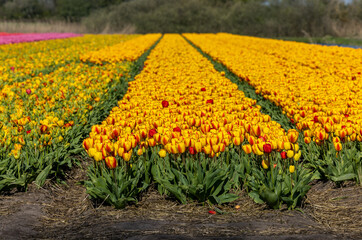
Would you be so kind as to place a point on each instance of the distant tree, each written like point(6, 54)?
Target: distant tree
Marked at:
point(24, 9)
point(74, 10)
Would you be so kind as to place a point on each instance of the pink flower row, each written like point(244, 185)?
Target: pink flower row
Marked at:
point(8, 34)
point(31, 37)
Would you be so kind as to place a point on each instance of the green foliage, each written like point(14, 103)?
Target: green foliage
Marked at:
point(277, 185)
point(117, 187)
point(200, 179)
point(337, 167)
point(248, 17)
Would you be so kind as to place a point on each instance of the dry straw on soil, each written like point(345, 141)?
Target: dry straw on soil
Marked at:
point(340, 209)
point(66, 210)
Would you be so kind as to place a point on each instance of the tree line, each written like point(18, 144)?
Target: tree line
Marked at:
point(268, 18)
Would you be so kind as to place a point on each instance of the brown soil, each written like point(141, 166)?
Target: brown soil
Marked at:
point(64, 211)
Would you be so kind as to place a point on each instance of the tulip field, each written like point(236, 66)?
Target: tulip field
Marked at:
point(153, 111)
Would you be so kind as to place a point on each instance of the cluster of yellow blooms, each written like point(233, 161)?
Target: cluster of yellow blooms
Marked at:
point(23, 61)
point(180, 102)
point(127, 51)
point(318, 87)
point(40, 110)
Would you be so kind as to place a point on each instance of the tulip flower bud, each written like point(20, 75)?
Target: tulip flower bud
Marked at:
point(181, 147)
point(88, 143)
point(297, 156)
point(139, 152)
point(203, 141)
point(108, 147)
point(174, 148)
point(127, 156)
point(267, 148)
point(207, 149)
point(157, 137)
point(353, 137)
point(307, 133)
point(290, 153)
point(111, 162)
point(127, 145)
point(192, 151)
point(222, 147)
point(321, 135)
point(256, 130)
point(162, 153)
point(296, 147)
point(236, 141)
point(187, 142)
point(152, 132)
point(164, 140)
point(152, 142)
point(256, 149)
point(293, 136)
point(283, 155)
point(247, 148)
point(120, 151)
point(338, 146)
point(165, 104)
point(349, 131)
point(98, 156)
point(307, 140)
point(198, 146)
point(143, 134)
point(287, 146)
point(216, 148)
point(291, 168)
point(92, 152)
point(265, 164)
point(251, 140)
point(168, 147)
point(343, 133)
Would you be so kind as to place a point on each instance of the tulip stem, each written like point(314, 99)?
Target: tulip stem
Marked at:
point(114, 176)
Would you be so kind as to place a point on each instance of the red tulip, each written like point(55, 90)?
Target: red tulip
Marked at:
point(192, 150)
point(267, 148)
point(203, 89)
point(284, 155)
point(177, 129)
point(165, 103)
point(28, 91)
point(210, 101)
point(152, 132)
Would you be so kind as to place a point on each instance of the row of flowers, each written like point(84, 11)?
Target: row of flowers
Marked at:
point(30, 59)
point(31, 37)
point(321, 95)
point(43, 118)
point(125, 51)
point(41, 109)
point(181, 112)
point(184, 118)
point(9, 34)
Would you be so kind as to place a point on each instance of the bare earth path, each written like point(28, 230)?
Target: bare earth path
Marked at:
point(65, 212)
